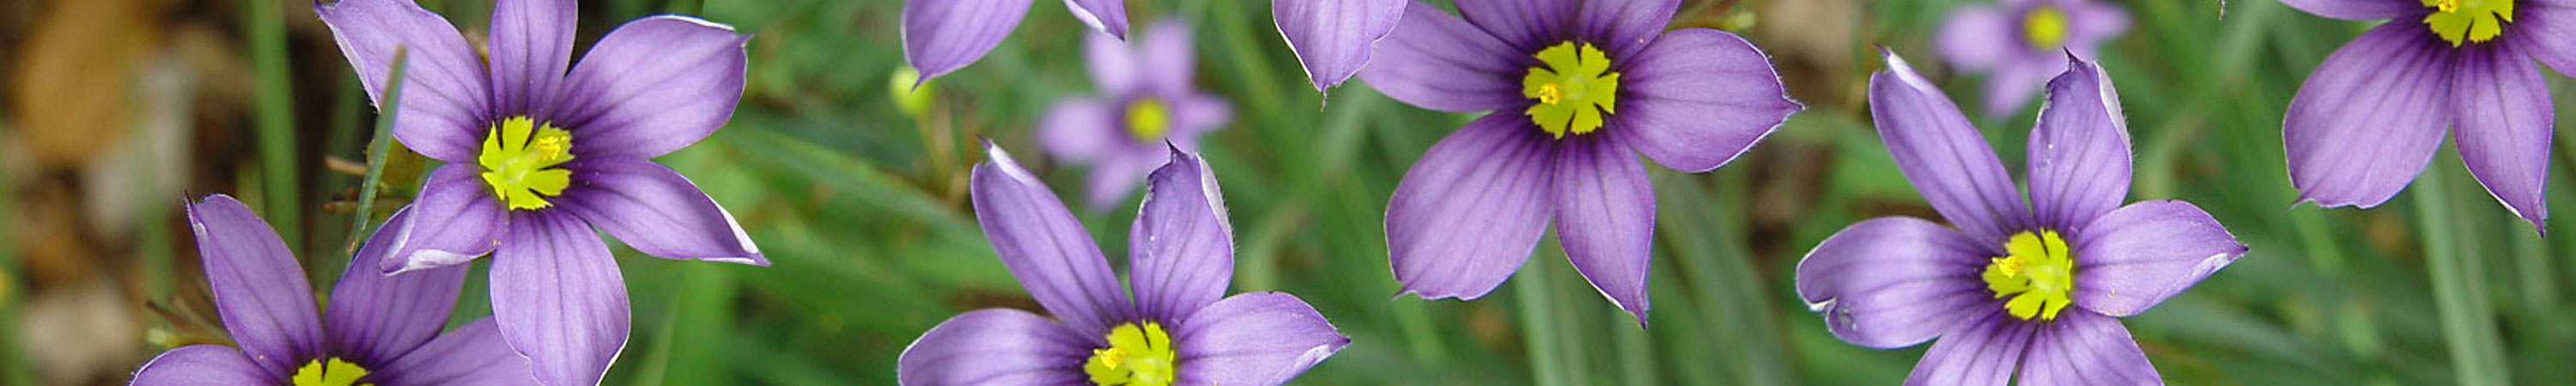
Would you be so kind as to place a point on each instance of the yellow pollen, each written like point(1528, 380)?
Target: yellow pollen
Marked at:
point(1551, 93)
point(2468, 21)
point(336, 372)
point(1138, 355)
point(1148, 119)
point(520, 159)
point(2045, 27)
point(2038, 273)
point(1579, 74)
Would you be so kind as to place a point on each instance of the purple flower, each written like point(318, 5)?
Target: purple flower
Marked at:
point(379, 329)
point(1145, 100)
point(2034, 287)
point(2369, 118)
point(1174, 329)
point(1580, 87)
point(2019, 44)
point(1331, 37)
point(537, 157)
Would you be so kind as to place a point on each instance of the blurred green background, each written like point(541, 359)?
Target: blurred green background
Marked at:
point(120, 109)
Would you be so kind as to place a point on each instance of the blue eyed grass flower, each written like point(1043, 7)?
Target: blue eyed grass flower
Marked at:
point(2020, 44)
point(1146, 101)
point(1332, 38)
point(542, 154)
point(1578, 89)
point(2012, 288)
point(1176, 327)
point(380, 330)
point(2368, 119)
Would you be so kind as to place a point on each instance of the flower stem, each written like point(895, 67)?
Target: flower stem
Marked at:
point(2459, 282)
point(275, 119)
point(1538, 319)
point(377, 148)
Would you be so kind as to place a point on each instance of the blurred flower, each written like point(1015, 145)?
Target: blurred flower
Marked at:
point(2034, 287)
point(536, 158)
point(379, 329)
point(2369, 118)
point(2019, 44)
point(1332, 38)
point(1145, 100)
point(1581, 92)
point(1173, 330)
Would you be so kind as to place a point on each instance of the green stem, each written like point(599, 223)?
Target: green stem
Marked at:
point(1538, 317)
point(276, 120)
point(377, 149)
point(2459, 283)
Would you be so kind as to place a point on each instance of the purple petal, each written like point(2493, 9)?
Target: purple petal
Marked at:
point(944, 35)
point(1182, 245)
point(2092, 23)
point(2360, 9)
point(1332, 38)
point(1698, 98)
point(1978, 38)
point(1526, 24)
point(258, 288)
point(2084, 348)
point(1113, 177)
point(2021, 78)
point(373, 317)
point(1169, 58)
point(2137, 256)
point(531, 45)
point(1469, 212)
point(1196, 115)
point(1436, 61)
point(2547, 32)
point(1082, 130)
point(2079, 154)
point(559, 299)
point(1981, 352)
point(1895, 281)
point(1255, 339)
point(1943, 155)
point(445, 106)
point(1044, 247)
point(203, 364)
point(2505, 122)
point(1115, 67)
point(473, 354)
point(656, 210)
point(652, 86)
point(1106, 16)
point(2369, 118)
point(995, 347)
point(1605, 219)
point(465, 222)
point(1623, 27)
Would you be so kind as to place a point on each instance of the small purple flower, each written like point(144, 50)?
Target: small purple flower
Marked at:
point(1579, 89)
point(2369, 118)
point(2036, 288)
point(1174, 330)
point(537, 158)
point(379, 329)
point(2019, 44)
point(1331, 37)
point(1145, 100)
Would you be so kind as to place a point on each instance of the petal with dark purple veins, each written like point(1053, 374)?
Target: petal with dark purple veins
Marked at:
point(1943, 155)
point(656, 210)
point(2548, 33)
point(2084, 348)
point(464, 221)
point(473, 354)
point(1106, 16)
point(1082, 130)
point(1697, 98)
point(1045, 247)
point(1182, 243)
point(1605, 218)
point(258, 288)
point(2505, 125)
point(1470, 210)
point(1255, 339)
point(1333, 38)
point(445, 105)
point(559, 298)
point(203, 364)
point(1526, 24)
point(2139, 255)
point(531, 45)
point(2359, 9)
point(1623, 27)
point(374, 317)
point(2369, 118)
point(1978, 38)
point(2079, 154)
point(1895, 281)
point(995, 347)
point(1982, 352)
point(652, 86)
point(944, 35)
point(1435, 61)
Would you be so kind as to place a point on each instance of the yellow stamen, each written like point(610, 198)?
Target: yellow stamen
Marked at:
point(2038, 273)
point(1571, 73)
point(333, 373)
point(520, 159)
point(2468, 21)
point(1148, 119)
point(1137, 355)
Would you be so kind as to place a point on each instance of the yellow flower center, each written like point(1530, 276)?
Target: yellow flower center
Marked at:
point(1138, 356)
point(519, 160)
point(1575, 89)
point(1148, 119)
point(333, 373)
point(2038, 273)
point(2044, 26)
point(2462, 21)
